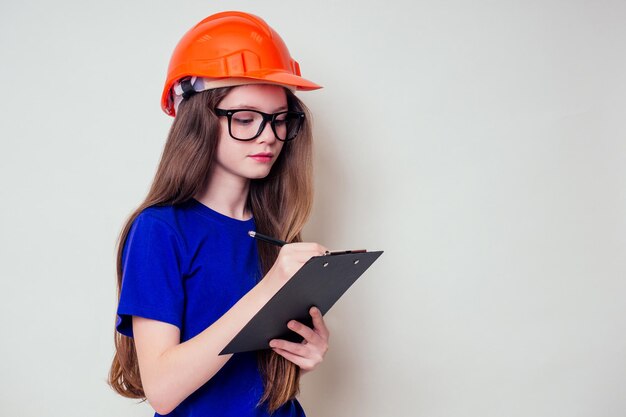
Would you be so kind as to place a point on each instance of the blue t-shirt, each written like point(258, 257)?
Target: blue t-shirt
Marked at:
point(187, 265)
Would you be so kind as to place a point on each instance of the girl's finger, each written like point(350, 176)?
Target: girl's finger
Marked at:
point(305, 331)
point(303, 363)
point(318, 323)
point(297, 349)
point(310, 247)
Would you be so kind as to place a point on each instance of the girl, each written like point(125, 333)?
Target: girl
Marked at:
point(237, 158)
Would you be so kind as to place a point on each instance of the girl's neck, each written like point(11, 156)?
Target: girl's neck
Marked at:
point(227, 195)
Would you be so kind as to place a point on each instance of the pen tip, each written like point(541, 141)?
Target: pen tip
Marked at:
point(251, 233)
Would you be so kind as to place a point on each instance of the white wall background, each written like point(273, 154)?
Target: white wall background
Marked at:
point(480, 144)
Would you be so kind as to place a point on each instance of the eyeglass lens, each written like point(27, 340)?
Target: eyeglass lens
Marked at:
point(246, 124)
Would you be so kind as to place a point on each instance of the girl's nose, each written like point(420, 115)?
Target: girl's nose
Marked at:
point(267, 134)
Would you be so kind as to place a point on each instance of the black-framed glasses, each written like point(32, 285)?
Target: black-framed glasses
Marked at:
point(247, 124)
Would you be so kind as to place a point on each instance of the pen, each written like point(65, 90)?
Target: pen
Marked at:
point(267, 239)
point(278, 242)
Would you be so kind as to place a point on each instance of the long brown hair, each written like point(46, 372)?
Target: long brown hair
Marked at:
point(280, 204)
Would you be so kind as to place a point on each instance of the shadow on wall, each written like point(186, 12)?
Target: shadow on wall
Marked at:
point(326, 226)
point(330, 183)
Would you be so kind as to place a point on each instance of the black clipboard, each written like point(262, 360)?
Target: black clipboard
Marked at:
point(320, 282)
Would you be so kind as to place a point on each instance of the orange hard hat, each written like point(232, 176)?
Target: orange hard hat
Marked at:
point(232, 44)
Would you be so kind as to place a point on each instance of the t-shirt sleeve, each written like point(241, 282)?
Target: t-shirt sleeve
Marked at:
point(152, 283)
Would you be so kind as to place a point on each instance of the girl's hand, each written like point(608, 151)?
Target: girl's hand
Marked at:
point(291, 258)
point(310, 353)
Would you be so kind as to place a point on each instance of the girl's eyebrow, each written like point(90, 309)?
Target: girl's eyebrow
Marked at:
point(249, 107)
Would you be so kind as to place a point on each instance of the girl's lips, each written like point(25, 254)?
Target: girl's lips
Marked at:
point(261, 158)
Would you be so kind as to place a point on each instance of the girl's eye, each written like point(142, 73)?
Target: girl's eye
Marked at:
point(280, 120)
point(243, 121)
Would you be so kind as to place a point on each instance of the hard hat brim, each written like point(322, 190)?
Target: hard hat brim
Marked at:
point(282, 78)
point(291, 80)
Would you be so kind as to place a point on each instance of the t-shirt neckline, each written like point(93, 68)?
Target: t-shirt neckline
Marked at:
point(222, 218)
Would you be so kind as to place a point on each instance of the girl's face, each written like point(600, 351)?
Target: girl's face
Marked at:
point(254, 158)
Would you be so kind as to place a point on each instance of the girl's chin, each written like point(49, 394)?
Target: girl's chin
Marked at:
point(258, 177)
point(258, 174)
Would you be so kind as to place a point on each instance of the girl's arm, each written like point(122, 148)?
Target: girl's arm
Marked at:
point(171, 371)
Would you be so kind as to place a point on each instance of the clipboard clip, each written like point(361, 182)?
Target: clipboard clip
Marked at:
point(344, 252)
